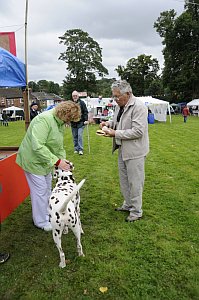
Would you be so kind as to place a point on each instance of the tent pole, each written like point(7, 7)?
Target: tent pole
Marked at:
point(169, 112)
point(26, 91)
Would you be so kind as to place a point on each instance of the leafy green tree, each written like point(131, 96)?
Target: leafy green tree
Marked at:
point(103, 87)
point(181, 52)
point(45, 86)
point(83, 57)
point(53, 88)
point(69, 85)
point(140, 72)
point(155, 88)
point(34, 86)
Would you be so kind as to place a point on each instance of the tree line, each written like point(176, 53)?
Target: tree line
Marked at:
point(178, 81)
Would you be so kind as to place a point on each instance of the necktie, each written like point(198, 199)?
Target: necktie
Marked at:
point(120, 113)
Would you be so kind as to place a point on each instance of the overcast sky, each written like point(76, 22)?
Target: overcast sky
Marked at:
point(122, 28)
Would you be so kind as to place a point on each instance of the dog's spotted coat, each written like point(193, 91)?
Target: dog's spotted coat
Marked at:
point(64, 210)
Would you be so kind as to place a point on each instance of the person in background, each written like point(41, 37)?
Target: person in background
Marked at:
point(4, 118)
point(99, 113)
point(110, 114)
point(190, 111)
point(41, 149)
point(185, 113)
point(4, 257)
point(129, 129)
point(33, 110)
point(105, 112)
point(78, 127)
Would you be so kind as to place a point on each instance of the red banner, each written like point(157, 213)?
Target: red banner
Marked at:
point(7, 41)
point(13, 186)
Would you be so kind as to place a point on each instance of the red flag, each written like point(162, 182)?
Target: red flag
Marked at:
point(10, 185)
point(7, 41)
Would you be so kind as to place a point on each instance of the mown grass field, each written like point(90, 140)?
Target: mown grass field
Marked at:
point(154, 258)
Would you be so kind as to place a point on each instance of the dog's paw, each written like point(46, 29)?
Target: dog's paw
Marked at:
point(65, 231)
point(62, 264)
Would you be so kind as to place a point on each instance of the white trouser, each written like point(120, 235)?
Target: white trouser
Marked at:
point(132, 177)
point(40, 191)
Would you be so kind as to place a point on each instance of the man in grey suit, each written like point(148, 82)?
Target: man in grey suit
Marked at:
point(129, 130)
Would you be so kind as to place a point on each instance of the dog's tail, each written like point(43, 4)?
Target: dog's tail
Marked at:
point(71, 195)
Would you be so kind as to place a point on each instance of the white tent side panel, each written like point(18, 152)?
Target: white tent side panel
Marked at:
point(159, 111)
point(158, 107)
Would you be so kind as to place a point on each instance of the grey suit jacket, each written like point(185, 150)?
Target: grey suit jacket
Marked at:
point(132, 130)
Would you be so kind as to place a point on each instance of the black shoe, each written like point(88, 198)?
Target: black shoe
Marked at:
point(4, 257)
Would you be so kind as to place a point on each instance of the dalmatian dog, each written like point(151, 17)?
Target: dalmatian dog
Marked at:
point(64, 210)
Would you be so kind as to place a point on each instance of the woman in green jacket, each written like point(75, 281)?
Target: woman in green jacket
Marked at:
point(41, 149)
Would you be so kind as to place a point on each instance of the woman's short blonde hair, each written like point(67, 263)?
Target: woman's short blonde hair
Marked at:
point(68, 111)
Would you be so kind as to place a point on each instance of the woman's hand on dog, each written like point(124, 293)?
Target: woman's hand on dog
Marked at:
point(64, 165)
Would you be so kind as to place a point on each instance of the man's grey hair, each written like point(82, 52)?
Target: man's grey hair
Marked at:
point(122, 85)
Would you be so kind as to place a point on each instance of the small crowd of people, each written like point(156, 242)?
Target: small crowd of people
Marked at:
point(42, 148)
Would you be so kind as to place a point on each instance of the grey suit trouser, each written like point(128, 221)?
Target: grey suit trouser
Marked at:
point(132, 177)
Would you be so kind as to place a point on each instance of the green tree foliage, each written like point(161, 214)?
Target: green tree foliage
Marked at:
point(34, 86)
point(45, 86)
point(181, 53)
point(103, 87)
point(142, 74)
point(83, 57)
point(53, 88)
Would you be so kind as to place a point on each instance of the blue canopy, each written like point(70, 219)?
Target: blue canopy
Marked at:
point(12, 70)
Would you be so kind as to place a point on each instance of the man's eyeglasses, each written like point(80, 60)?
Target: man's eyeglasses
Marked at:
point(115, 98)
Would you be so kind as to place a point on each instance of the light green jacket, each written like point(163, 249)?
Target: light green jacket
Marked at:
point(42, 145)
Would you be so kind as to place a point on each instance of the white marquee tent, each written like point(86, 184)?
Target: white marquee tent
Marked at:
point(96, 102)
point(195, 106)
point(158, 107)
point(194, 102)
point(13, 109)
